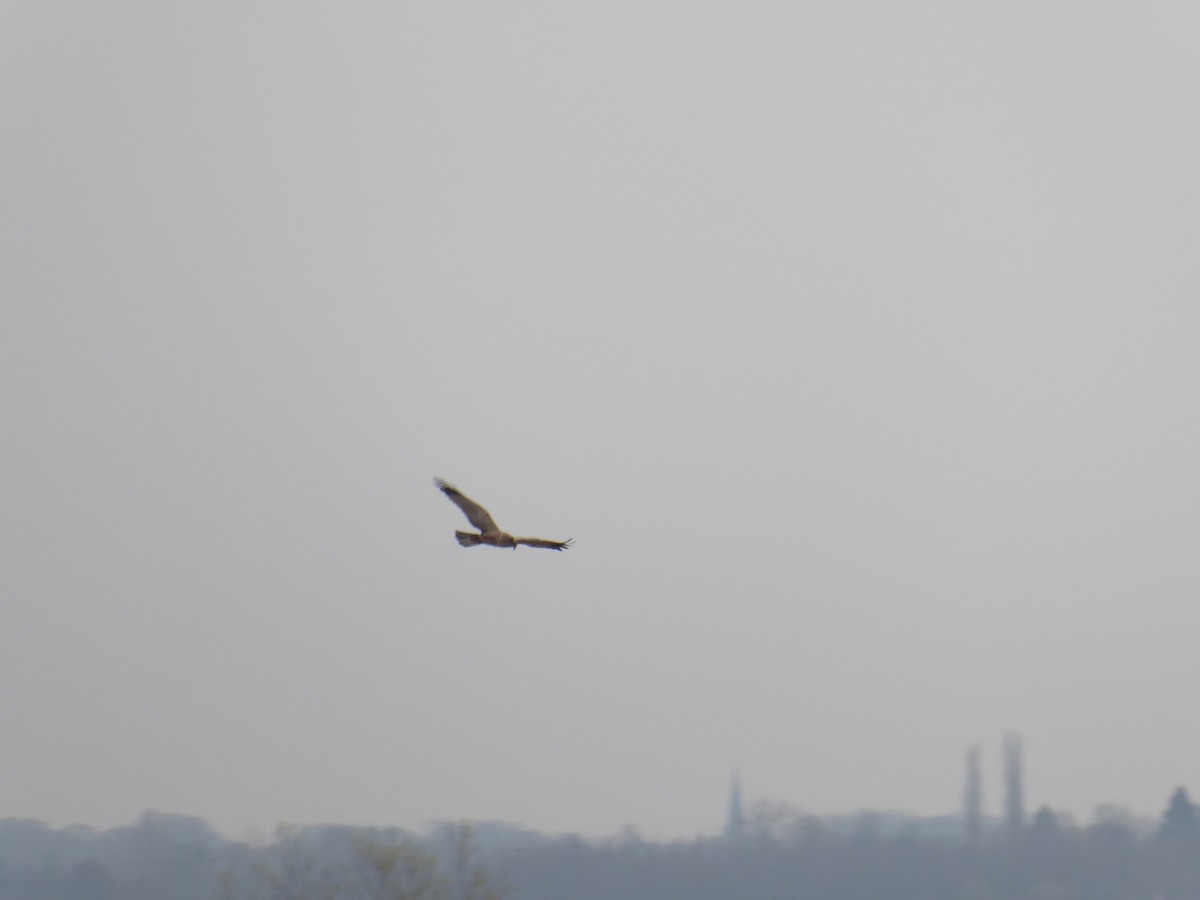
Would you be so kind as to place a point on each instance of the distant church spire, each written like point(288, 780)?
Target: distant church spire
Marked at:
point(735, 821)
point(973, 798)
point(1014, 796)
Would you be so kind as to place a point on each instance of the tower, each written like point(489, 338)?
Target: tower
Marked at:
point(735, 819)
point(1014, 791)
point(973, 798)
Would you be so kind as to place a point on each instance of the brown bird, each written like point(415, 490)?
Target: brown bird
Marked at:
point(489, 531)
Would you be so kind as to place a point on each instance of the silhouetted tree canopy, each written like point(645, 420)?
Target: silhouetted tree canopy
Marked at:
point(1180, 819)
point(783, 854)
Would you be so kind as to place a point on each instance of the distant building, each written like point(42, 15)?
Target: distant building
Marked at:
point(735, 819)
point(973, 798)
point(1014, 789)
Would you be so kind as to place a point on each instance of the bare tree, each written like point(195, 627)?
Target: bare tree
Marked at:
point(407, 870)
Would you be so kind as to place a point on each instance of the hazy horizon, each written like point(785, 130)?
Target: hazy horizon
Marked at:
point(854, 345)
point(766, 812)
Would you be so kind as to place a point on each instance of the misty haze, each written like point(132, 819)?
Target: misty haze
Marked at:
point(852, 344)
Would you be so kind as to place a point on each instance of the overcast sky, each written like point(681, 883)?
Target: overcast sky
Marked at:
point(856, 345)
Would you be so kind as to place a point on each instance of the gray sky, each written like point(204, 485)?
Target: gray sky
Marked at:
point(855, 345)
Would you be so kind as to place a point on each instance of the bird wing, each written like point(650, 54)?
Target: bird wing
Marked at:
point(548, 545)
point(476, 514)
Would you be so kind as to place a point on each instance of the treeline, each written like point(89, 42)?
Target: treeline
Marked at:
point(778, 855)
point(871, 857)
point(167, 857)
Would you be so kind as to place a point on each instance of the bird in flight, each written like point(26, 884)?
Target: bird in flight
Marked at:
point(489, 531)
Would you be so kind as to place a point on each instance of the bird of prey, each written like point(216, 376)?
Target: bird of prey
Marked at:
point(489, 531)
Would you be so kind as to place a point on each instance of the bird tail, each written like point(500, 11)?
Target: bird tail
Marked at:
point(467, 539)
